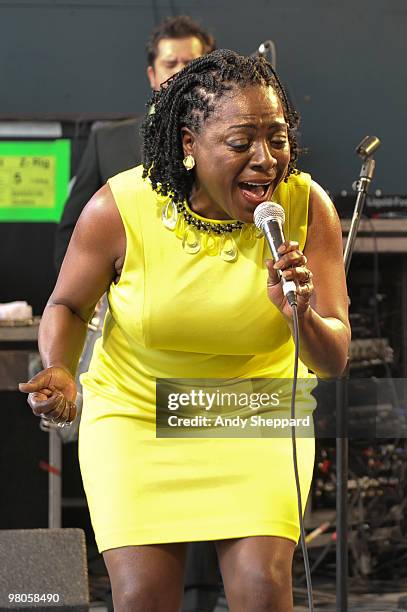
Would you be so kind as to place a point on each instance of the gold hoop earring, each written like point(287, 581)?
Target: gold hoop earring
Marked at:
point(189, 162)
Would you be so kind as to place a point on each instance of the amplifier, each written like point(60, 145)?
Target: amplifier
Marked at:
point(378, 206)
point(43, 570)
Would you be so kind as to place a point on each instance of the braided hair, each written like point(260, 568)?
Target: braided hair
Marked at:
point(186, 100)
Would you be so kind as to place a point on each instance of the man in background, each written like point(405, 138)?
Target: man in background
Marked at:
point(117, 147)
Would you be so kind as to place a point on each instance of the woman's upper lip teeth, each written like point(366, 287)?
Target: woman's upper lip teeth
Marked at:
point(258, 181)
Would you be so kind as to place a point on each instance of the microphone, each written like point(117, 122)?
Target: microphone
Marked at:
point(269, 217)
point(367, 146)
point(267, 47)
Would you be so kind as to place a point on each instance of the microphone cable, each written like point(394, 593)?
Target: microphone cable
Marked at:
point(269, 217)
point(295, 461)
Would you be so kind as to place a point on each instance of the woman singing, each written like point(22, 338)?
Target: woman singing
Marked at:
point(193, 294)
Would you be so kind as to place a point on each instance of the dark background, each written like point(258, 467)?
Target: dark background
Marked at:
point(76, 60)
point(343, 62)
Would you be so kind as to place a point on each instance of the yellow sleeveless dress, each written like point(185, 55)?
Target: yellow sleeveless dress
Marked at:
point(179, 315)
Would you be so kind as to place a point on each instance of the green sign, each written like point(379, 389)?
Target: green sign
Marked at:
point(34, 179)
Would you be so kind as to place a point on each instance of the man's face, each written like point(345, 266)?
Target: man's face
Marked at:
point(173, 54)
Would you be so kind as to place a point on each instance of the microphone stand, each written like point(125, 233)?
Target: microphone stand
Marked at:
point(365, 150)
point(361, 187)
point(268, 47)
point(268, 50)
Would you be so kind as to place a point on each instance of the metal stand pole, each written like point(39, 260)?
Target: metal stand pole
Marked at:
point(365, 149)
point(342, 447)
point(54, 480)
point(362, 187)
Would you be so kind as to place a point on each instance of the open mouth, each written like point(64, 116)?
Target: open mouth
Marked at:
point(254, 193)
point(256, 189)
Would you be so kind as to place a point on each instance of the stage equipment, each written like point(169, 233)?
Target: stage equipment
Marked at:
point(270, 217)
point(267, 49)
point(365, 150)
point(43, 569)
point(377, 206)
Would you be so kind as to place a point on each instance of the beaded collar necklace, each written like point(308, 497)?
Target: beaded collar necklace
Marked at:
point(208, 226)
point(214, 238)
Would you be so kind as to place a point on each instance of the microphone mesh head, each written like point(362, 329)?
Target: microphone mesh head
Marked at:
point(268, 211)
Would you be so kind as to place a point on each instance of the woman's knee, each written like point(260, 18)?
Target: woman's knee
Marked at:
point(146, 579)
point(260, 583)
point(263, 587)
point(146, 598)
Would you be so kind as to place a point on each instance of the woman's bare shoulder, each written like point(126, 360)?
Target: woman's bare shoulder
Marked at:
point(100, 225)
point(323, 220)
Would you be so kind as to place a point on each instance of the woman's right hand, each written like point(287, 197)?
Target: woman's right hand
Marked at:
point(52, 394)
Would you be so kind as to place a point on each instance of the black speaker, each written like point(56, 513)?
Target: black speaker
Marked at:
point(43, 569)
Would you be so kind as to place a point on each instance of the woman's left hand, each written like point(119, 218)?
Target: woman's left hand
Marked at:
point(293, 266)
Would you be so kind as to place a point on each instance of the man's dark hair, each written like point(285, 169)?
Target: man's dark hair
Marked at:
point(181, 26)
point(187, 100)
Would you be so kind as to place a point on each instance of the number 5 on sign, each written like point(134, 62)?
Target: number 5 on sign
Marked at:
point(34, 179)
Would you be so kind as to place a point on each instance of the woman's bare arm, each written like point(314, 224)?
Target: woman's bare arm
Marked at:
point(93, 260)
point(323, 311)
point(91, 263)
